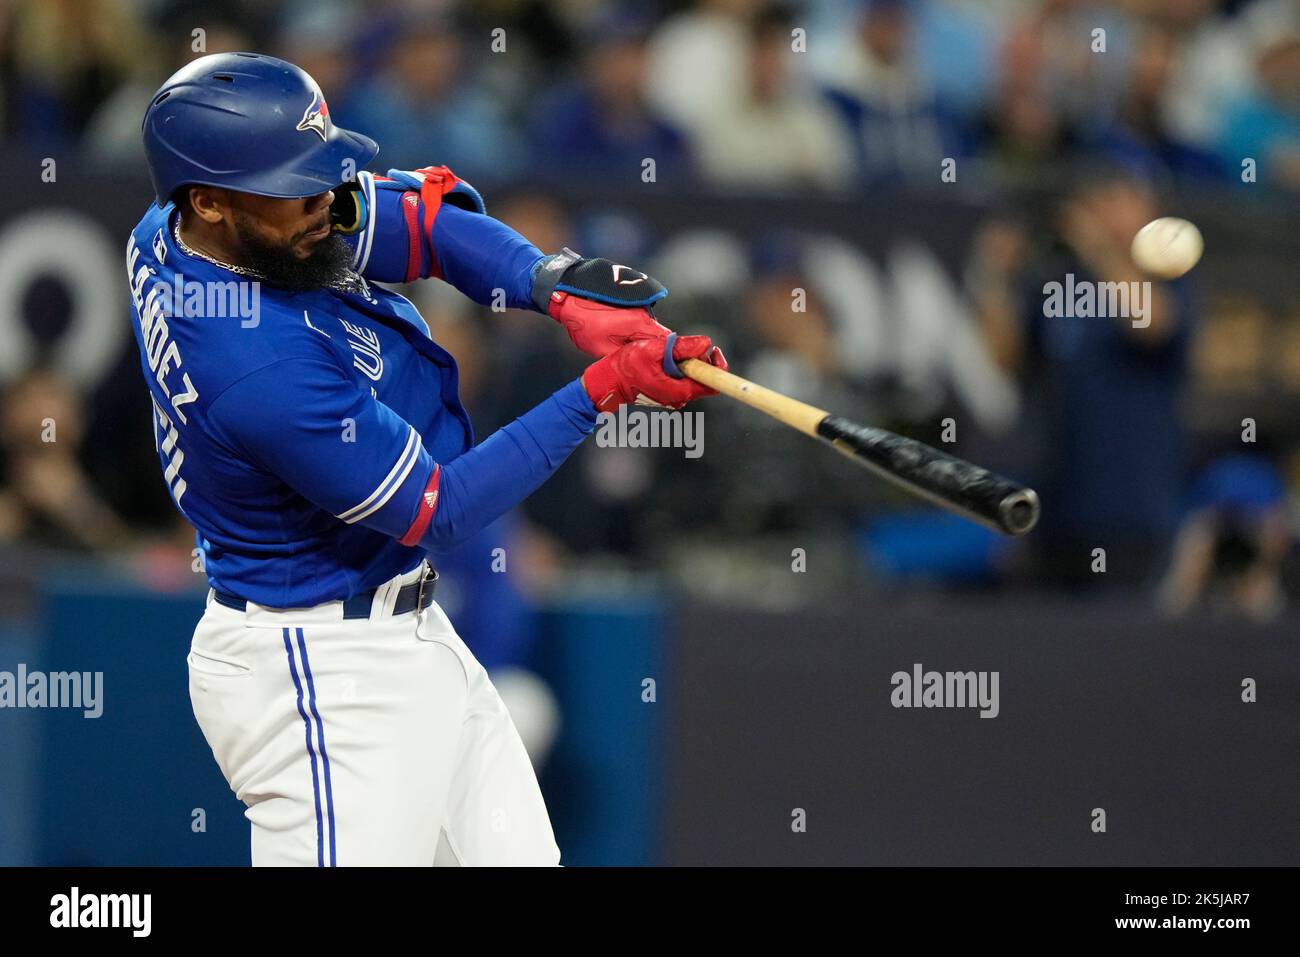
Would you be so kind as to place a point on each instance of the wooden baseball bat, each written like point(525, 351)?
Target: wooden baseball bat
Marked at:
point(946, 480)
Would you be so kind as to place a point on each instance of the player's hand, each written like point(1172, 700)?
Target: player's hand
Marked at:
point(602, 305)
point(598, 329)
point(645, 372)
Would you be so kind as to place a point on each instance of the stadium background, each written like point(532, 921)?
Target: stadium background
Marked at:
point(775, 170)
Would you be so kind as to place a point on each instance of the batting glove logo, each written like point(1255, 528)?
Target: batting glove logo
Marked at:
point(619, 270)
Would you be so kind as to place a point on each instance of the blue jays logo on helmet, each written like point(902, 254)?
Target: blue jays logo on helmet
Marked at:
point(316, 117)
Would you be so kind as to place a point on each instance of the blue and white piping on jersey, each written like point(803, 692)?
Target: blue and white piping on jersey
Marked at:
point(366, 240)
point(380, 496)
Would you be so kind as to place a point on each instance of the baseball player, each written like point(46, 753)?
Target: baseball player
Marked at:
point(309, 428)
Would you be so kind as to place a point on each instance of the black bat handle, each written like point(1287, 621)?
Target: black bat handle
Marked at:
point(944, 479)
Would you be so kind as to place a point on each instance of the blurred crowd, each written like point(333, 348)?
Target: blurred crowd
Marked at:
point(828, 95)
point(1096, 108)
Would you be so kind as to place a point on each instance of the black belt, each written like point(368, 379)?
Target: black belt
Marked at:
point(416, 595)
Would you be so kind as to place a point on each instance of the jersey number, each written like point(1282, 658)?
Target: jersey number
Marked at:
point(165, 439)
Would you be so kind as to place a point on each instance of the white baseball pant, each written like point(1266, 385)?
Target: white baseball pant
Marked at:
point(375, 741)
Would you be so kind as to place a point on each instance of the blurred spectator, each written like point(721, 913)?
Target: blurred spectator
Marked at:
point(780, 136)
point(426, 106)
point(8, 68)
point(113, 134)
point(1213, 68)
point(1231, 545)
point(1026, 128)
point(958, 43)
point(540, 217)
point(744, 484)
point(794, 346)
point(528, 354)
point(1265, 125)
point(543, 41)
point(318, 37)
point(697, 61)
point(602, 123)
point(65, 57)
point(993, 276)
point(1136, 134)
point(888, 106)
point(47, 499)
point(1106, 390)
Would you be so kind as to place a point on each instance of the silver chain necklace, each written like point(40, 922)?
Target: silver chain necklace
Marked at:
point(240, 270)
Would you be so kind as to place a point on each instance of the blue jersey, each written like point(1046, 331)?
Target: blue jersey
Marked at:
point(315, 440)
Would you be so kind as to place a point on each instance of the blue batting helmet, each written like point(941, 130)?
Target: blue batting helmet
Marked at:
point(251, 123)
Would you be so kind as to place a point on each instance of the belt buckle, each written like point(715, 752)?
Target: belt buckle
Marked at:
point(425, 572)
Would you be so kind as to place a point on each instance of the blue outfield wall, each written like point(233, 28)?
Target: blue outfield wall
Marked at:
point(124, 788)
point(605, 782)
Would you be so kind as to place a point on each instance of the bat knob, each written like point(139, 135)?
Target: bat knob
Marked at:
point(1019, 511)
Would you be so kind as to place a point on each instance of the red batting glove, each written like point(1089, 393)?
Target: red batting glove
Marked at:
point(645, 372)
point(598, 329)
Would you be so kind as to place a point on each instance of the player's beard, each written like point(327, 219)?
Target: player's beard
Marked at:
point(327, 265)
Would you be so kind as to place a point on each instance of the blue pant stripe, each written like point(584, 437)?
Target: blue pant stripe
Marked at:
point(320, 737)
point(311, 750)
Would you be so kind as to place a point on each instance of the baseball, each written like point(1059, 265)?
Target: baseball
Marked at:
point(1167, 247)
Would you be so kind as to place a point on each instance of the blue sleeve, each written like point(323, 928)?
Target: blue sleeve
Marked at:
point(330, 441)
point(484, 483)
point(478, 254)
point(354, 457)
point(472, 251)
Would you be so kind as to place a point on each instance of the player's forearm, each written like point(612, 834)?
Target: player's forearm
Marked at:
point(429, 223)
point(474, 489)
point(480, 255)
